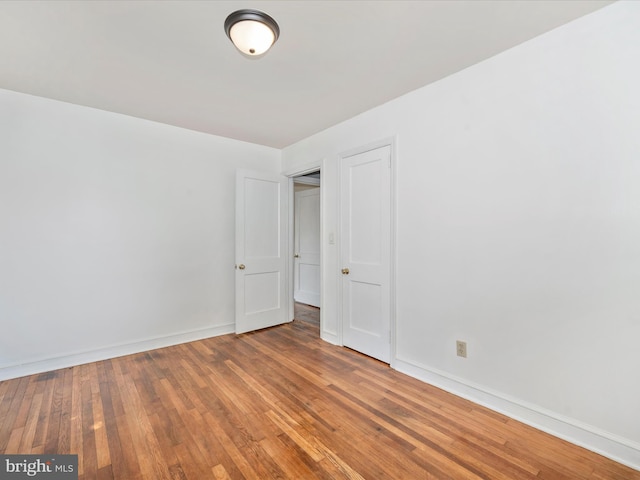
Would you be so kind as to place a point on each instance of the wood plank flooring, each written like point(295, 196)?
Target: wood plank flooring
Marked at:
point(278, 403)
point(307, 313)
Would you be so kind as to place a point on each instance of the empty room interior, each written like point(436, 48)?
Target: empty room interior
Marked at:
point(399, 239)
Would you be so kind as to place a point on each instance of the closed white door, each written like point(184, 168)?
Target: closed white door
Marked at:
point(307, 247)
point(261, 253)
point(366, 252)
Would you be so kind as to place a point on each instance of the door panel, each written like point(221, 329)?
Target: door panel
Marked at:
point(261, 235)
point(261, 292)
point(262, 218)
point(307, 247)
point(365, 303)
point(366, 252)
point(365, 216)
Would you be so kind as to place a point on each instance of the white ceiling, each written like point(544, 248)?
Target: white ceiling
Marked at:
point(170, 61)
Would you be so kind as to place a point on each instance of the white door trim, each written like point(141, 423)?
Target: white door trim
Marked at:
point(307, 181)
point(391, 142)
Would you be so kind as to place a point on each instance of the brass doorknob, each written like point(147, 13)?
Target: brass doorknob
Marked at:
point(241, 266)
point(345, 271)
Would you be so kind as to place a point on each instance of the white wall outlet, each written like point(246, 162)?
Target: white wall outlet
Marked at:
point(461, 348)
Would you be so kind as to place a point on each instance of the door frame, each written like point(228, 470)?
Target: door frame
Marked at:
point(392, 143)
point(334, 270)
point(292, 174)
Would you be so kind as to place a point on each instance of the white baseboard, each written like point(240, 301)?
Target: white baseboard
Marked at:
point(620, 449)
point(71, 360)
point(307, 298)
point(330, 337)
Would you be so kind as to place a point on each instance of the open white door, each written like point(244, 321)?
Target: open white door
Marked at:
point(261, 250)
point(307, 247)
point(366, 252)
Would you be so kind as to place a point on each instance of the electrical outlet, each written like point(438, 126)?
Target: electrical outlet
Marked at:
point(461, 348)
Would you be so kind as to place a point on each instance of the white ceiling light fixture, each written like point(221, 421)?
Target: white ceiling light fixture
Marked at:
point(251, 31)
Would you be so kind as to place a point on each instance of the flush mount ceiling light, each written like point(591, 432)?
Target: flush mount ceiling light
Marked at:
point(251, 31)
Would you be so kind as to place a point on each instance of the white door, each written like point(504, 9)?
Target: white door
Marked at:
point(307, 247)
point(366, 252)
point(261, 253)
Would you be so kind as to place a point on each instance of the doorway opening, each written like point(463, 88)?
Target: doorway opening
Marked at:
point(306, 288)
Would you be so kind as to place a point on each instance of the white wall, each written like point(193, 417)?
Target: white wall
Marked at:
point(518, 229)
point(116, 234)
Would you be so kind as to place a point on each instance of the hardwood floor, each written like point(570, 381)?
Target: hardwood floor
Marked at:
point(278, 403)
point(307, 313)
